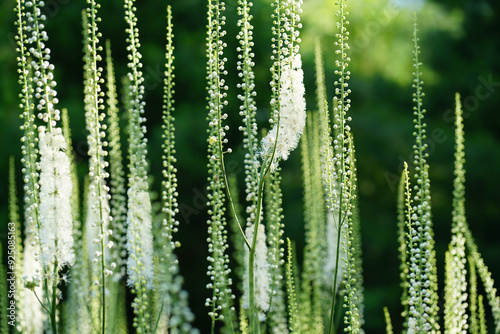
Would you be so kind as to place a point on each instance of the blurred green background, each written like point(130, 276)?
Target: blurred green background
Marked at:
point(460, 41)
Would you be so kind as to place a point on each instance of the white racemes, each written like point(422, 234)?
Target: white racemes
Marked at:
point(261, 272)
point(56, 185)
point(292, 112)
point(139, 237)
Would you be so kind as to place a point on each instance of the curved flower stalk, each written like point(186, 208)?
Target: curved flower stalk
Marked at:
point(423, 303)
point(237, 239)
point(140, 268)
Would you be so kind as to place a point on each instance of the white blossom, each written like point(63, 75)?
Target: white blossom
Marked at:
point(292, 113)
point(261, 272)
point(139, 235)
point(56, 222)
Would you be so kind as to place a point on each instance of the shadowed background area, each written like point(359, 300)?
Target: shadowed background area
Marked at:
point(460, 48)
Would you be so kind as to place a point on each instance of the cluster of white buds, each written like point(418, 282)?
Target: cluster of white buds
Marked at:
point(261, 273)
point(139, 237)
point(56, 186)
point(292, 115)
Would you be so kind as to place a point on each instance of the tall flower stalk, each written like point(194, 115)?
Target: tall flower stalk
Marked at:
point(315, 228)
point(98, 217)
point(339, 166)
point(455, 307)
point(287, 118)
point(31, 267)
point(423, 302)
point(139, 217)
point(175, 314)
point(49, 216)
point(118, 202)
point(248, 108)
point(221, 301)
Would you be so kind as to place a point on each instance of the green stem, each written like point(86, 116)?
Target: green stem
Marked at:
point(53, 310)
point(103, 286)
point(230, 198)
point(254, 326)
point(38, 298)
point(339, 234)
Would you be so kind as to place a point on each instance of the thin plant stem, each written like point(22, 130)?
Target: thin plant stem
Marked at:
point(43, 306)
point(251, 258)
point(53, 310)
point(231, 203)
point(341, 108)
